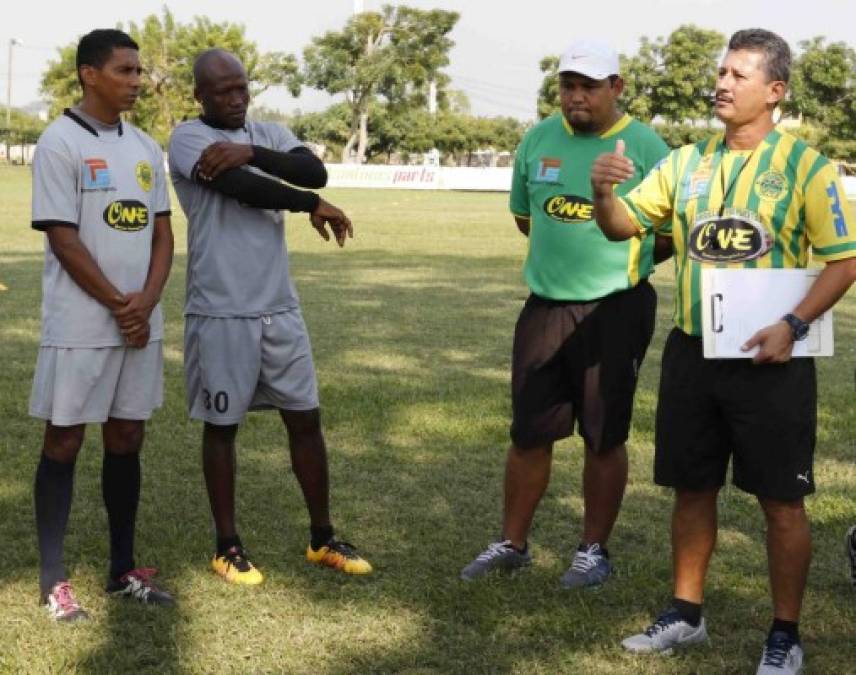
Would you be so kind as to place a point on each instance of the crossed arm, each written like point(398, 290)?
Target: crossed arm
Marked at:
point(220, 167)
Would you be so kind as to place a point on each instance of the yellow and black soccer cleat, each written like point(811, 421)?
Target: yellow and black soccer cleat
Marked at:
point(235, 567)
point(339, 555)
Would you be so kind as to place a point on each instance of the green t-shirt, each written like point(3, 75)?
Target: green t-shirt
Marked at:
point(569, 258)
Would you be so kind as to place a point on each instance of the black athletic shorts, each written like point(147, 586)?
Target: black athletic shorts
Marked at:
point(710, 409)
point(578, 362)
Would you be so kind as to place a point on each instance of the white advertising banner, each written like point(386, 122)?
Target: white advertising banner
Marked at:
point(419, 177)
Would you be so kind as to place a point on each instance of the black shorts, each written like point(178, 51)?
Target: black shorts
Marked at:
point(579, 361)
point(710, 409)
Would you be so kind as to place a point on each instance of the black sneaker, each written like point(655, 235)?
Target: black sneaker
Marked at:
point(782, 655)
point(138, 584)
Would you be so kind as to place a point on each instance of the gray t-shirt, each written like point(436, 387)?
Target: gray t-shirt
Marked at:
point(109, 183)
point(237, 263)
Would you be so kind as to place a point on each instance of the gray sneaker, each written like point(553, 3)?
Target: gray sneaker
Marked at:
point(590, 567)
point(782, 655)
point(668, 632)
point(500, 555)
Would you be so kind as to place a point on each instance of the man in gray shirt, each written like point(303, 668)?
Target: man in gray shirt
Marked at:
point(100, 196)
point(246, 345)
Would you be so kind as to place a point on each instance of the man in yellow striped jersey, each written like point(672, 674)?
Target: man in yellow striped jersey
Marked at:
point(753, 197)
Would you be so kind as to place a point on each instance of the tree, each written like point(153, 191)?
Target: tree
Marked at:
point(548, 94)
point(330, 128)
point(167, 51)
point(685, 86)
point(823, 92)
point(641, 77)
point(24, 129)
point(395, 54)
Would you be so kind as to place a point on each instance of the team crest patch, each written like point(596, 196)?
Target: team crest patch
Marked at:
point(734, 237)
point(548, 170)
point(143, 171)
point(569, 208)
point(96, 174)
point(771, 185)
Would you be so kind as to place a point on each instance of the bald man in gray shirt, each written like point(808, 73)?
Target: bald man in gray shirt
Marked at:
point(246, 344)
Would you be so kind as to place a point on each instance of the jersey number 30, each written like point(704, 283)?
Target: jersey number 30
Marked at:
point(220, 402)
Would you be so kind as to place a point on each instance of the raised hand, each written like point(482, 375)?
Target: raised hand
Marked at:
point(610, 169)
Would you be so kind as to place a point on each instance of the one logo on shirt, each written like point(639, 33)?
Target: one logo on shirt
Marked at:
point(771, 185)
point(548, 170)
point(127, 215)
point(569, 208)
point(736, 237)
point(143, 172)
point(96, 174)
point(837, 213)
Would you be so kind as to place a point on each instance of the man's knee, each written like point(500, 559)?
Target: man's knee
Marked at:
point(123, 437)
point(302, 422)
point(784, 514)
point(62, 444)
point(218, 438)
point(613, 453)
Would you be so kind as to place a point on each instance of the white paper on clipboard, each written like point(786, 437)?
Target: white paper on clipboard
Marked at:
point(736, 303)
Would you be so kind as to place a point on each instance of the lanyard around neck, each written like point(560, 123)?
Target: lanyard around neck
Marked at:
point(727, 193)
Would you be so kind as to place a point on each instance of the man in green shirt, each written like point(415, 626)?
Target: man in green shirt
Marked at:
point(583, 332)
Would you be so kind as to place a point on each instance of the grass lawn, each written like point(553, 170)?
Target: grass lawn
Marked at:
point(411, 327)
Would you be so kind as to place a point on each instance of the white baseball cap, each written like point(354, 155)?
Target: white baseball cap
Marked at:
point(590, 58)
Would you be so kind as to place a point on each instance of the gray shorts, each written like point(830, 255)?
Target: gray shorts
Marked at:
point(86, 385)
point(235, 365)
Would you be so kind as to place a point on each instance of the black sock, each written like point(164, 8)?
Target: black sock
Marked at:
point(792, 628)
point(225, 543)
point(120, 487)
point(53, 491)
point(689, 611)
point(508, 543)
point(320, 535)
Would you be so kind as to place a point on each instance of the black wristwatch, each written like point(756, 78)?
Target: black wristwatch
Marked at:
point(799, 328)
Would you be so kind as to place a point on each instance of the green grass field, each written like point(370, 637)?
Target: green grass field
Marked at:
point(411, 327)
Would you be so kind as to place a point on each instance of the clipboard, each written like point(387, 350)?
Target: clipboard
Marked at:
point(736, 303)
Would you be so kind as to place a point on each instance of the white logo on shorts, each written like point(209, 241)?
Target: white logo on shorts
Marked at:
point(804, 477)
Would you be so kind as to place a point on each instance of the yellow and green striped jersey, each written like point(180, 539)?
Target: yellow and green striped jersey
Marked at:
point(761, 208)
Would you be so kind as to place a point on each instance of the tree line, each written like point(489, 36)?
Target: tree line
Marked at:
point(387, 65)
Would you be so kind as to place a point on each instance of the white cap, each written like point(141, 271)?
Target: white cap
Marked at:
point(590, 58)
